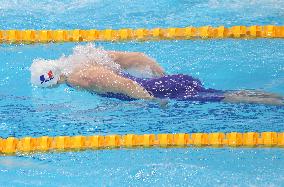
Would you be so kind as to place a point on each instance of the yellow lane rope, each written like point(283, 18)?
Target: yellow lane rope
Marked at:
point(12, 145)
point(205, 32)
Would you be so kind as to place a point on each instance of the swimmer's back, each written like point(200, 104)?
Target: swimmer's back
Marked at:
point(180, 87)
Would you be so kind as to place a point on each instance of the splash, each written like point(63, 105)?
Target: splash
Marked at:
point(83, 56)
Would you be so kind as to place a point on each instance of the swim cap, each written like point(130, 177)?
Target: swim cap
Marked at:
point(44, 73)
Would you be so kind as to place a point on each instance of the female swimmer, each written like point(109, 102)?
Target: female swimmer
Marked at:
point(110, 73)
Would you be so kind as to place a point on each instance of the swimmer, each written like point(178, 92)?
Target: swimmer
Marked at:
point(132, 75)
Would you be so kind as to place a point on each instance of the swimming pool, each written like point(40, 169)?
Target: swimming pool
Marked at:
point(220, 64)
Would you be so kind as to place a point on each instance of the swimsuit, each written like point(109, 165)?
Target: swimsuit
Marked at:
point(179, 87)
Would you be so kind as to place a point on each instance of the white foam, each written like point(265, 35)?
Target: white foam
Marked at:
point(83, 56)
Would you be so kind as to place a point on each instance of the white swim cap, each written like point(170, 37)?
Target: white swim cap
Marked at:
point(44, 73)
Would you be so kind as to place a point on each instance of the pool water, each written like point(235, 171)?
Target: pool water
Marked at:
point(147, 167)
point(221, 64)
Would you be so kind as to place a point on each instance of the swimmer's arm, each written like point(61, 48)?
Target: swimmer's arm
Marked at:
point(128, 60)
point(103, 80)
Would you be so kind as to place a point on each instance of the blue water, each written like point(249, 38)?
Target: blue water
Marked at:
point(220, 64)
point(103, 14)
point(148, 167)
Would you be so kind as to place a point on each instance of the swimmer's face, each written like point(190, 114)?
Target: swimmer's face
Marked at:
point(61, 80)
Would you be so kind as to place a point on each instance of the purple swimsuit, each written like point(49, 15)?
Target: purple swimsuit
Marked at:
point(179, 87)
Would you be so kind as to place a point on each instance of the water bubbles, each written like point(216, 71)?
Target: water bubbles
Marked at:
point(3, 126)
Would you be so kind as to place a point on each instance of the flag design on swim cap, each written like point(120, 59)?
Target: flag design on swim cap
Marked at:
point(43, 79)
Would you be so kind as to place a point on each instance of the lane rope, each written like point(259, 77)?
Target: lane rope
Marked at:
point(12, 145)
point(204, 32)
